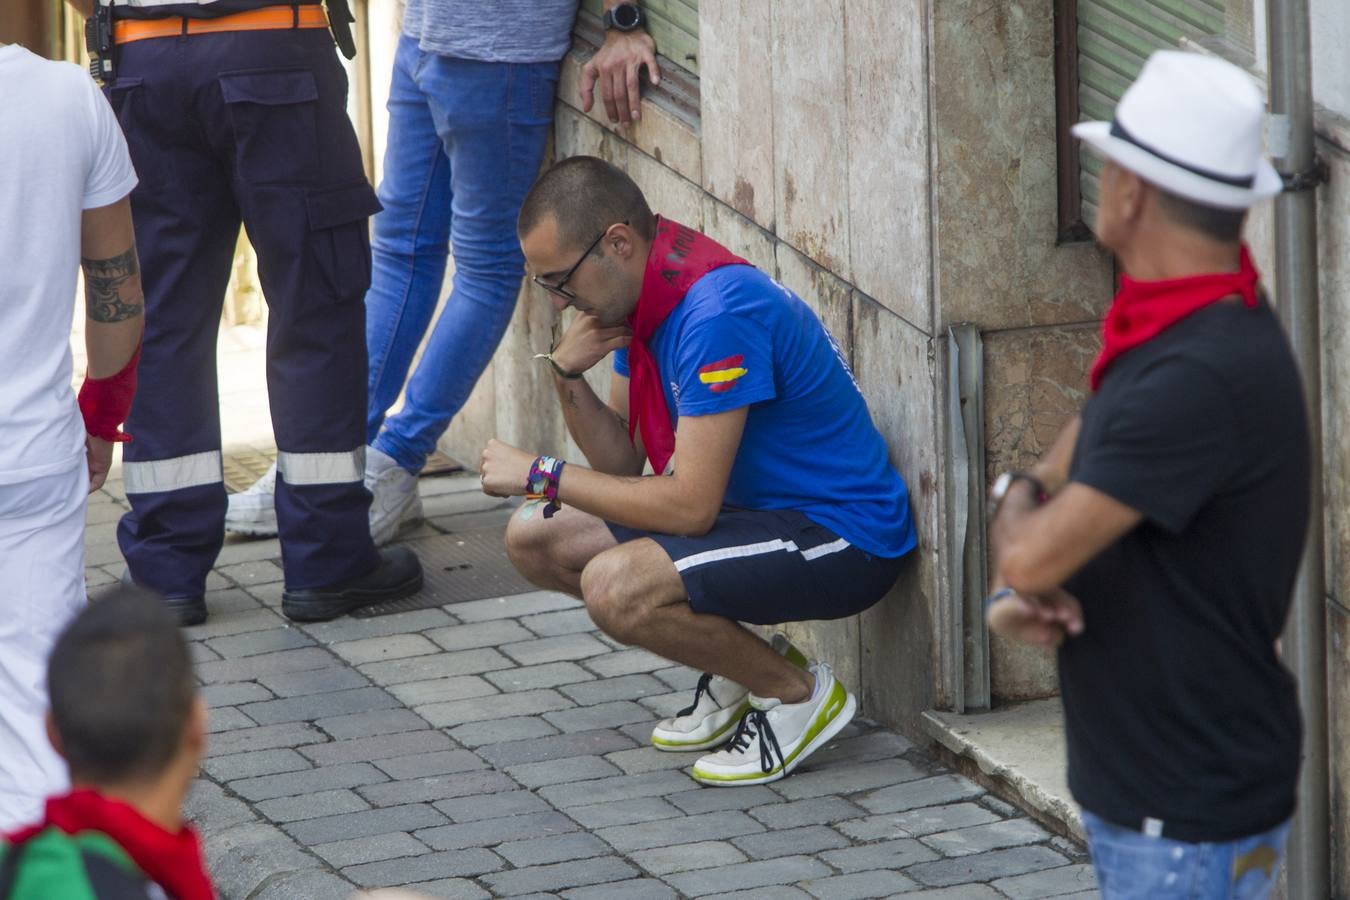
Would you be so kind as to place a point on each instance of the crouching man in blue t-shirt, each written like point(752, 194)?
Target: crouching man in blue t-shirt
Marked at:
point(777, 502)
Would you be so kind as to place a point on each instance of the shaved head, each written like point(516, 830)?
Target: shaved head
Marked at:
point(584, 196)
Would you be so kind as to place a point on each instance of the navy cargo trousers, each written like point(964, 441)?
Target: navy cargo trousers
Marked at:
point(228, 127)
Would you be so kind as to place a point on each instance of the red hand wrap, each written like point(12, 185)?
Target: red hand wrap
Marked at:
point(105, 402)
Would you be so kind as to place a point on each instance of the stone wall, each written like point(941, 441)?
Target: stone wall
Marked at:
point(1334, 260)
point(998, 262)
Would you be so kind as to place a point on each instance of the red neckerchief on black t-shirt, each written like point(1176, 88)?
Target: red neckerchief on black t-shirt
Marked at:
point(1145, 309)
point(171, 860)
point(679, 257)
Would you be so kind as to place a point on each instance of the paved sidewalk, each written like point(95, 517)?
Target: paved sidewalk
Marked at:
point(500, 748)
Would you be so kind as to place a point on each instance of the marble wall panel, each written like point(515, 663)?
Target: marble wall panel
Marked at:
point(888, 179)
point(736, 61)
point(1334, 261)
point(739, 234)
point(1338, 738)
point(667, 193)
point(895, 368)
point(994, 168)
point(1334, 277)
point(576, 135)
point(830, 298)
point(810, 116)
point(1035, 382)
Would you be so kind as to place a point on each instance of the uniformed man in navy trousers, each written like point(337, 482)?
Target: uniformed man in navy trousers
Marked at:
point(235, 110)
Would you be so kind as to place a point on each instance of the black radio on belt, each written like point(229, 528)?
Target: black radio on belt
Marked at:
point(98, 40)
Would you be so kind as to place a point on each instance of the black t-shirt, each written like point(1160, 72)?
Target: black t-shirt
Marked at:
point(1177, 707)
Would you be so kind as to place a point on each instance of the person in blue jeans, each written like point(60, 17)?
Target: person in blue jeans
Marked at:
point(1157, 543)
point(470, 109)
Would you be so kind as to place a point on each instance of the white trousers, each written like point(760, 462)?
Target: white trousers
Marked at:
point(41, 588)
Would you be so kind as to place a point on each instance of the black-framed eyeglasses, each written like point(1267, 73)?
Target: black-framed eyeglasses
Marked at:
point(560, 286)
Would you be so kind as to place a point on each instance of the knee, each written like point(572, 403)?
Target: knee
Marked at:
point(606, 587)
point(528, 546)
point(489, 252)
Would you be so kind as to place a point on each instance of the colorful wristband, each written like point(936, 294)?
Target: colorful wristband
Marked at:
point(542, 483)
point(106, 402)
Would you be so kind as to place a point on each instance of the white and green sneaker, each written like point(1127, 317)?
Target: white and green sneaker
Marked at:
point(719, 703)
point(773, 737)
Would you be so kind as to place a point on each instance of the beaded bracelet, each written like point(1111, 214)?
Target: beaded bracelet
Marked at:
point(542, 483)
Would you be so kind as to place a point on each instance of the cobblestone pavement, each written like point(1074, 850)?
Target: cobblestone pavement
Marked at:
point(500, 748)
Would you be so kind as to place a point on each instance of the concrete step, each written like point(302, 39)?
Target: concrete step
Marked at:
point(1019, 753)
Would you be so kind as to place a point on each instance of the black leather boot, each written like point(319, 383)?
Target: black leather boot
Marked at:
point(398, 575)
point(188, 610)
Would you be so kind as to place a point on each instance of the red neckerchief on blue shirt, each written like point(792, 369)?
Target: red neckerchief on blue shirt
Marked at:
point(679, 257)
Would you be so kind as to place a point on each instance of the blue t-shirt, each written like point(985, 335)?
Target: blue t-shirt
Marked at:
point(739, 338)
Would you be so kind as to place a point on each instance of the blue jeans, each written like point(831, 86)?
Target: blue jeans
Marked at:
point(466, 139)
point(1131, 865)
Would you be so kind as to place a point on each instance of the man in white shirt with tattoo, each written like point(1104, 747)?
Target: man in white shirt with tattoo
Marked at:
point(63, 204)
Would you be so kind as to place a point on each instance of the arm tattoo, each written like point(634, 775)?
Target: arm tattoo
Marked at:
point(104, 280)
point(572, 398)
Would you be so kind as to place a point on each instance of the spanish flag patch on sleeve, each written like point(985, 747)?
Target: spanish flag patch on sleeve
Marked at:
point(723, 374)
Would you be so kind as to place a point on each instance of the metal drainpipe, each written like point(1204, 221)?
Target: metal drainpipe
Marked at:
point(1296, 291)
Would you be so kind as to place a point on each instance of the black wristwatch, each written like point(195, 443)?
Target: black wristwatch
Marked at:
point(624, 17)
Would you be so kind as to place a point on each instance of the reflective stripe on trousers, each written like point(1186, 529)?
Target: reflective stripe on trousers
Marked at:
point(220, 131)
point(157, 476)
point(322, 468)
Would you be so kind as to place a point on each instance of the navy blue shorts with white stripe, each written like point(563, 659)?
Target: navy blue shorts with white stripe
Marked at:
point(767, 566)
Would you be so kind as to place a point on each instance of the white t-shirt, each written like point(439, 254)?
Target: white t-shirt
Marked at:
point(61, 152)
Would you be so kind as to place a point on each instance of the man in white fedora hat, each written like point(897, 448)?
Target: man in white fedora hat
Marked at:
point(1157, 542)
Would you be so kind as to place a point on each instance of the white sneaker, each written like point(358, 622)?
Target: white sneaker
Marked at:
point(774, 738)
point(395, 498)
point(254, 511)
point(719, 703)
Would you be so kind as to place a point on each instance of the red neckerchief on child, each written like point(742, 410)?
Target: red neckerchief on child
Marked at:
point(1145, 309)
point(172, 861)
point(679, 257)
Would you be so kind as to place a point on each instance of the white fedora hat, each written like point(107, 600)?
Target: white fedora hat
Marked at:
point(1191, 125)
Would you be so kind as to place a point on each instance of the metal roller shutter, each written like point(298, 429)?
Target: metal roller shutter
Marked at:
point(1114, 39)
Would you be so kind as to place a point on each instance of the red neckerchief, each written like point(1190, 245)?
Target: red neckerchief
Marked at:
point(679, 257)
point(1145, 309)
point(172, 861)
